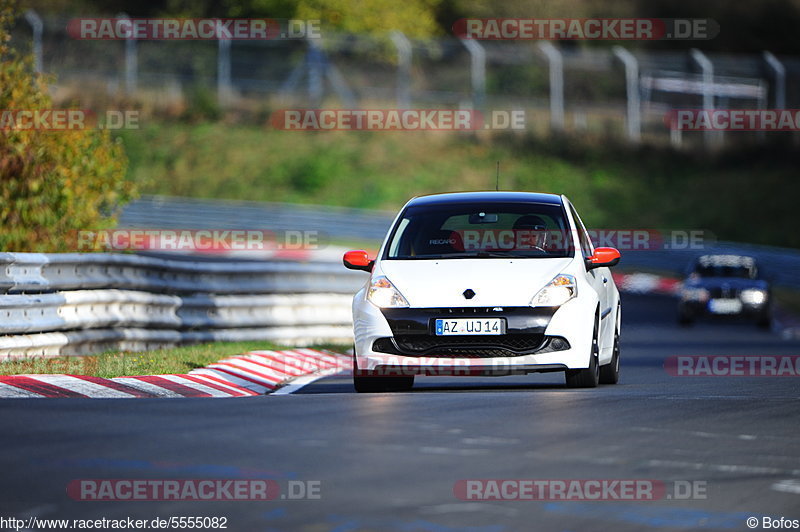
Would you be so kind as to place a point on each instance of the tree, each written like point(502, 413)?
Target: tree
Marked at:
point(415, 18)
point(53, 183)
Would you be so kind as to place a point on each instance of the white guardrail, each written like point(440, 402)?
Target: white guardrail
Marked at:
point(80, 303)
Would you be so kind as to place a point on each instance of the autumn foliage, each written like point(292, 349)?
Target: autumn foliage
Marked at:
point(52, 182)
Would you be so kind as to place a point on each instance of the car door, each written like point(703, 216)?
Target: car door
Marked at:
point(599, 279)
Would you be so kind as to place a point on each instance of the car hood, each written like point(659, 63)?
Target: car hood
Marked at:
point(496, 282)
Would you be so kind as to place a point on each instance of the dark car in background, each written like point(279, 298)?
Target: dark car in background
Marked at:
point(725, 286)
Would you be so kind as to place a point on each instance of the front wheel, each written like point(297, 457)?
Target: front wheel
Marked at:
point(369, 382)
point(589, 377)
point(609, 374)
point(378, 384)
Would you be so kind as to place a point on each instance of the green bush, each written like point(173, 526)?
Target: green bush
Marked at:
point(201, 105)
point(52, 182)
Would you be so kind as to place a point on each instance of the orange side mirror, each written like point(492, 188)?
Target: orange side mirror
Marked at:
point(603, 257)
point(358, 260)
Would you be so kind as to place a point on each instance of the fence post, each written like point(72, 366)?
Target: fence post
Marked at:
point(404, 52)
point(633, 119)
point(223, 65)
point(131, 60)
point(33, 18)
point(712, 138)
point(556, 65)
point(477, 71)
point(315, 61)
point(779, 73)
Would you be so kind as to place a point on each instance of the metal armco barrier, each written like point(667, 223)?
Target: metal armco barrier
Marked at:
point(82, 309)
point(780, 265)
point(37, 272)
point(72, 303)
point(170, 212)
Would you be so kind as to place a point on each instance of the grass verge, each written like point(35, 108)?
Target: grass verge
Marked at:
point(158, 362)
point(613, 185)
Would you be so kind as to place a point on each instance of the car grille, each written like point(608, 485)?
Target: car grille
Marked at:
point(470, 347)
point(723, 293)
point(463, 311)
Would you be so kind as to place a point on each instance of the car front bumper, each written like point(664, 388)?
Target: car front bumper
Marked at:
point(536, 340)
point(695, 309)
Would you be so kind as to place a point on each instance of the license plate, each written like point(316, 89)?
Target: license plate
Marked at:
point(466, 326)
point(725, 306)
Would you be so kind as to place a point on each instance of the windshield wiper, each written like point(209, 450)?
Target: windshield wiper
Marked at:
point(478, 255)
point(498, 253)
point(483, 254)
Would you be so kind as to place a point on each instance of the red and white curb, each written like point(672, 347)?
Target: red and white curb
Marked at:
point(646, 283)
point(254, 373)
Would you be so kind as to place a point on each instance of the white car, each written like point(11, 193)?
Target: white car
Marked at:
point(486, 283)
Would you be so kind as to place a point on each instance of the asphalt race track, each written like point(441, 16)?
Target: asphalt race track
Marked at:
point(390, 462)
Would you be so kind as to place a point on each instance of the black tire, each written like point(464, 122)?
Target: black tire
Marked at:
point(685, 320)
point(764, 322)
point(609, 373)
point(368, 382)
point(372, 384)
point(588, 377)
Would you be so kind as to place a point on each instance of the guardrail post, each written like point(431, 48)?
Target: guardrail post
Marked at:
point(675, 137)
point(633, 118)
point(33, 18)
point(223, 65)
point(556, 65)
point(404, 52)
point(712, 138)
point(477, 71)
point(762, 102)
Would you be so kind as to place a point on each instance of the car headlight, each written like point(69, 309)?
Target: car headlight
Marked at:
point(753, 296)
point(383, 294)
point(557, 292)
point(694, 294)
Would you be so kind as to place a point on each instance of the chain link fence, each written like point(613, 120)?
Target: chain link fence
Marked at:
point(623, 92)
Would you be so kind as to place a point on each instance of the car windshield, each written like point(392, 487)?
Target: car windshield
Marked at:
point(743, 272)
point(480, 230)
point(726, 266)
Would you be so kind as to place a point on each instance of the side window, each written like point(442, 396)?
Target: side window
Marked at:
point(586, 244)
point(400, 236)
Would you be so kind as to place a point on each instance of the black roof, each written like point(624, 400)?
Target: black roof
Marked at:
point(486, 197)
